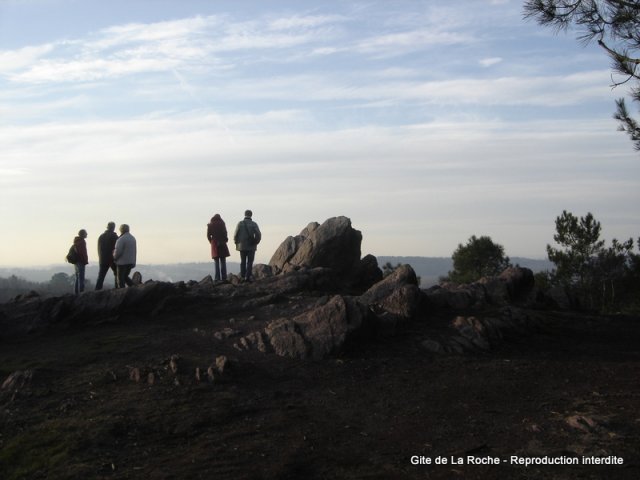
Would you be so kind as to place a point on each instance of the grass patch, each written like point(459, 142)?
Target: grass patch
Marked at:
point(47, 448)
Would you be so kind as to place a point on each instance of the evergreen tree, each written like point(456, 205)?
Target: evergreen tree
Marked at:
point(580, 242)
point(615, 25)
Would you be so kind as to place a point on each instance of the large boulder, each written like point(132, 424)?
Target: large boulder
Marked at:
point(397, 294)
point(335, 244)
point(514, 285)
point(314, 334)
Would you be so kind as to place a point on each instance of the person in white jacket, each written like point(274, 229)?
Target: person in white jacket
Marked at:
point(124, 256)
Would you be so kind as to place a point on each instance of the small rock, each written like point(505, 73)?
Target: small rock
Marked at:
point(17, 380)
point(222, 364)
point(173, 363)
point(432, 346)
point(134, 374)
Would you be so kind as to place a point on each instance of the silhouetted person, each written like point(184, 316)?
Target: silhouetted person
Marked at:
point(80, 245)
point(124, 255)
point(247, 237)
point(106, 244)
point(217, 236)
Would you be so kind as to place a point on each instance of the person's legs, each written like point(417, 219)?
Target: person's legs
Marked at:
point(251, 255)
point(243, 264)
point(102, 273)
point(127, 280)
point(120, 276)
point(123, 276)
point(79, 283)
point(223, 268)
point(217, 271)
point(115, 275)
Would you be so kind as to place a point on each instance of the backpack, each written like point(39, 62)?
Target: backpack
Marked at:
point(72, 256)
point(254, 238)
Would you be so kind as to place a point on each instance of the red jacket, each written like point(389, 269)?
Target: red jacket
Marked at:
point(81, 249)
point(217, 236)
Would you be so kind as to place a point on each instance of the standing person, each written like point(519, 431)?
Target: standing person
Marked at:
point(217, 236)
point(80, 245)
point(106, 244)
point(246, 237)
point(124, 256)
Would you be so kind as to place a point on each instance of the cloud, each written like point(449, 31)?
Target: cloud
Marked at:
point(400, 43)
point(488, 62)
point(137, 48)
point(305, 21)
point(13, 60)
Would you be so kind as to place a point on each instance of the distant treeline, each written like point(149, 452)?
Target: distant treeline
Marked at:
point(13, 286)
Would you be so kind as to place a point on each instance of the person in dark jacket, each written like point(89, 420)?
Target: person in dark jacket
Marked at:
point(106, 244)
point(246, 237)
point(217, 236)
point(80, 245)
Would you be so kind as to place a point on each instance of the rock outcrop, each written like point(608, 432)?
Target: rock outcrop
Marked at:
point(335, 245)
point(313, 334)
point(514, 285)
point(36, 313)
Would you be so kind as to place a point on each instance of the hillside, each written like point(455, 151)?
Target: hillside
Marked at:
point(230, 381)
point(319, 368)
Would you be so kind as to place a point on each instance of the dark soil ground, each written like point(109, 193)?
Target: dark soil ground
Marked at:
point(567, 391)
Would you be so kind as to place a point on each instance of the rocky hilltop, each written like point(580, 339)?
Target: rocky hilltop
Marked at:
point(320, 368)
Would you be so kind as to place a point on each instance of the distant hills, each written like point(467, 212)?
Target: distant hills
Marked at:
point(429, 269)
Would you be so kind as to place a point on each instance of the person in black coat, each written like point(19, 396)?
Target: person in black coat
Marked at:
point(106, 244)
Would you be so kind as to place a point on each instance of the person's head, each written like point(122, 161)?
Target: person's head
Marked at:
point(124, 228)
point(82, 233)
point(216, 218)
point(248, 213)
point(111, 226)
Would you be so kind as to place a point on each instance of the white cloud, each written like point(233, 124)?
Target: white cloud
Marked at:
point(393, 44)
point(489, 62)
point(12, 60)
point(304, 21)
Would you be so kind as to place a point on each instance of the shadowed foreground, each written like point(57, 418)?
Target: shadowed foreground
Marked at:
point(103, 401)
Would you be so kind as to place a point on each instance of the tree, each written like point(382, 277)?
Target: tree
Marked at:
point(580, 242)
point(593, 276)
point(613, 265)
point(61, 283)
point(480, 257)
point(615, 25)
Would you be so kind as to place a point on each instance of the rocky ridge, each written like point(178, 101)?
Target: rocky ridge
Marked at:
point(345, 298)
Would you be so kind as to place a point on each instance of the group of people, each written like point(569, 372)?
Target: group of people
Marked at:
point(118, 253)
point(246, 236)
point(115, 253)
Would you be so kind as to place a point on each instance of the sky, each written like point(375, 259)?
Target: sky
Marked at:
point(424, 122)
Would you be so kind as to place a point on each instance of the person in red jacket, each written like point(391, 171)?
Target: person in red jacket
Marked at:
point(217, 236)
point(83, 260)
